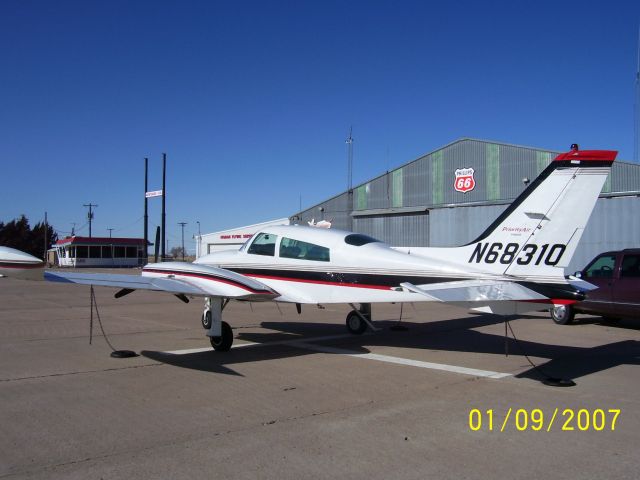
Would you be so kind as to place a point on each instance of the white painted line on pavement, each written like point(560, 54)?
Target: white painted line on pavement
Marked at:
point(307, 345)
point(404, 361)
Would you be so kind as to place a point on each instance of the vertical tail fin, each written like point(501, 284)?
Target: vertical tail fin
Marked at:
point(536, 236)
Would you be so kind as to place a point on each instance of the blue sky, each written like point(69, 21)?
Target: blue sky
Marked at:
point(252, 101)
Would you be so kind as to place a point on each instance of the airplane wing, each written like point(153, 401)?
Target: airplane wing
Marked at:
point(177, 278)
point(130, 282)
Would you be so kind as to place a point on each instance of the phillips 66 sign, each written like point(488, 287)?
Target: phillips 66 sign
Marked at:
point(464, 181)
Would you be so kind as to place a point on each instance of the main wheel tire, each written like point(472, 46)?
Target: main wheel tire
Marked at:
point(355, 324)
point(206, 320)
point(224, 342)
point(562, 314)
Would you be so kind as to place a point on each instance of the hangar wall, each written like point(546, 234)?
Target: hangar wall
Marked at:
point(417, 204)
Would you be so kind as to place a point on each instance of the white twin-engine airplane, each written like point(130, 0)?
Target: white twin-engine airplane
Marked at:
point(516, 265)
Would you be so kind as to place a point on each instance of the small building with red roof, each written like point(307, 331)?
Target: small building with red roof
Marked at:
point(100, 252)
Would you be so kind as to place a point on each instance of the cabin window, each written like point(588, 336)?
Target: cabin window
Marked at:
point(358, 239)
point(264, 244)
point(290, 248)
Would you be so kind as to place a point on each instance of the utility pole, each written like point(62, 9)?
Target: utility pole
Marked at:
point(73, 229)
point(182, 224)
point(46, 235)
point(164, 198)
point(110, 230)
point(199, 237)
point(90, 215)
point(146, 211)
point(349, 143)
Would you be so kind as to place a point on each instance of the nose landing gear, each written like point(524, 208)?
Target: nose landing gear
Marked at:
point(219, 332)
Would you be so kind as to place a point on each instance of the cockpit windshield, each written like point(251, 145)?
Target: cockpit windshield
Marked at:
point(358, 239)
point(264, 244)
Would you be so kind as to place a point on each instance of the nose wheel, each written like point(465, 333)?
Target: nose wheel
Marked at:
point(223, 343)
point(219, 332)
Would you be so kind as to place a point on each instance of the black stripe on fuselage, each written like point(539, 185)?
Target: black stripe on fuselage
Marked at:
point(341, 278)
point(549, 290)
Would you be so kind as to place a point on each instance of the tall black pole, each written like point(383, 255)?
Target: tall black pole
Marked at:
point(164, 197)
point(182, 224)
point(46, 236)
point(146, 210)
point(157, 244)
point(90, 215)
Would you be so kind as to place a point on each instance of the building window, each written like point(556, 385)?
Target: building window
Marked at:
point(82, 251)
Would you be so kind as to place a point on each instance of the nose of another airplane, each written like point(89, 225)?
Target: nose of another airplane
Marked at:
point(18, 264)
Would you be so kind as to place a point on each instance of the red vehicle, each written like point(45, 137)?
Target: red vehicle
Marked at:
point(617, 276)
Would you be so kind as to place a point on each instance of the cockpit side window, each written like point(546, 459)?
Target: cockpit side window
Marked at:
point(264, 244)
point(290, 248)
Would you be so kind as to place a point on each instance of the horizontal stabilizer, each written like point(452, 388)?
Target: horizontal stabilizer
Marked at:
point(476, 291)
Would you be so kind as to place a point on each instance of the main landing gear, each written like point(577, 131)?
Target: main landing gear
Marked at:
point(219, 332)
point(359, 319)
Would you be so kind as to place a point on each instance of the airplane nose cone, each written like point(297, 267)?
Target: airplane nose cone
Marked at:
point(11, 255)
point(17, 264)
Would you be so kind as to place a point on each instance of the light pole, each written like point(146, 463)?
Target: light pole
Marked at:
point(198, 241)
point(182, 224)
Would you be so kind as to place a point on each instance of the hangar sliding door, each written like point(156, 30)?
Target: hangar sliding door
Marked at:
point(398, 230)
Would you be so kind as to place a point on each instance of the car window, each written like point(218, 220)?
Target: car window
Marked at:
point(630, 266)
point(290, 248)
point(264, 244)
point(601, 267)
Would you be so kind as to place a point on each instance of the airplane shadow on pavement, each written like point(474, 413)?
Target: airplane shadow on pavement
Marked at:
point(454, 335)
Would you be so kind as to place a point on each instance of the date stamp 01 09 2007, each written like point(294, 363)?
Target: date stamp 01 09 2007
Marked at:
point(536, 419)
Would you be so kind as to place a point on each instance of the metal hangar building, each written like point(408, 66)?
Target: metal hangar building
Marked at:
point(450, 196)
